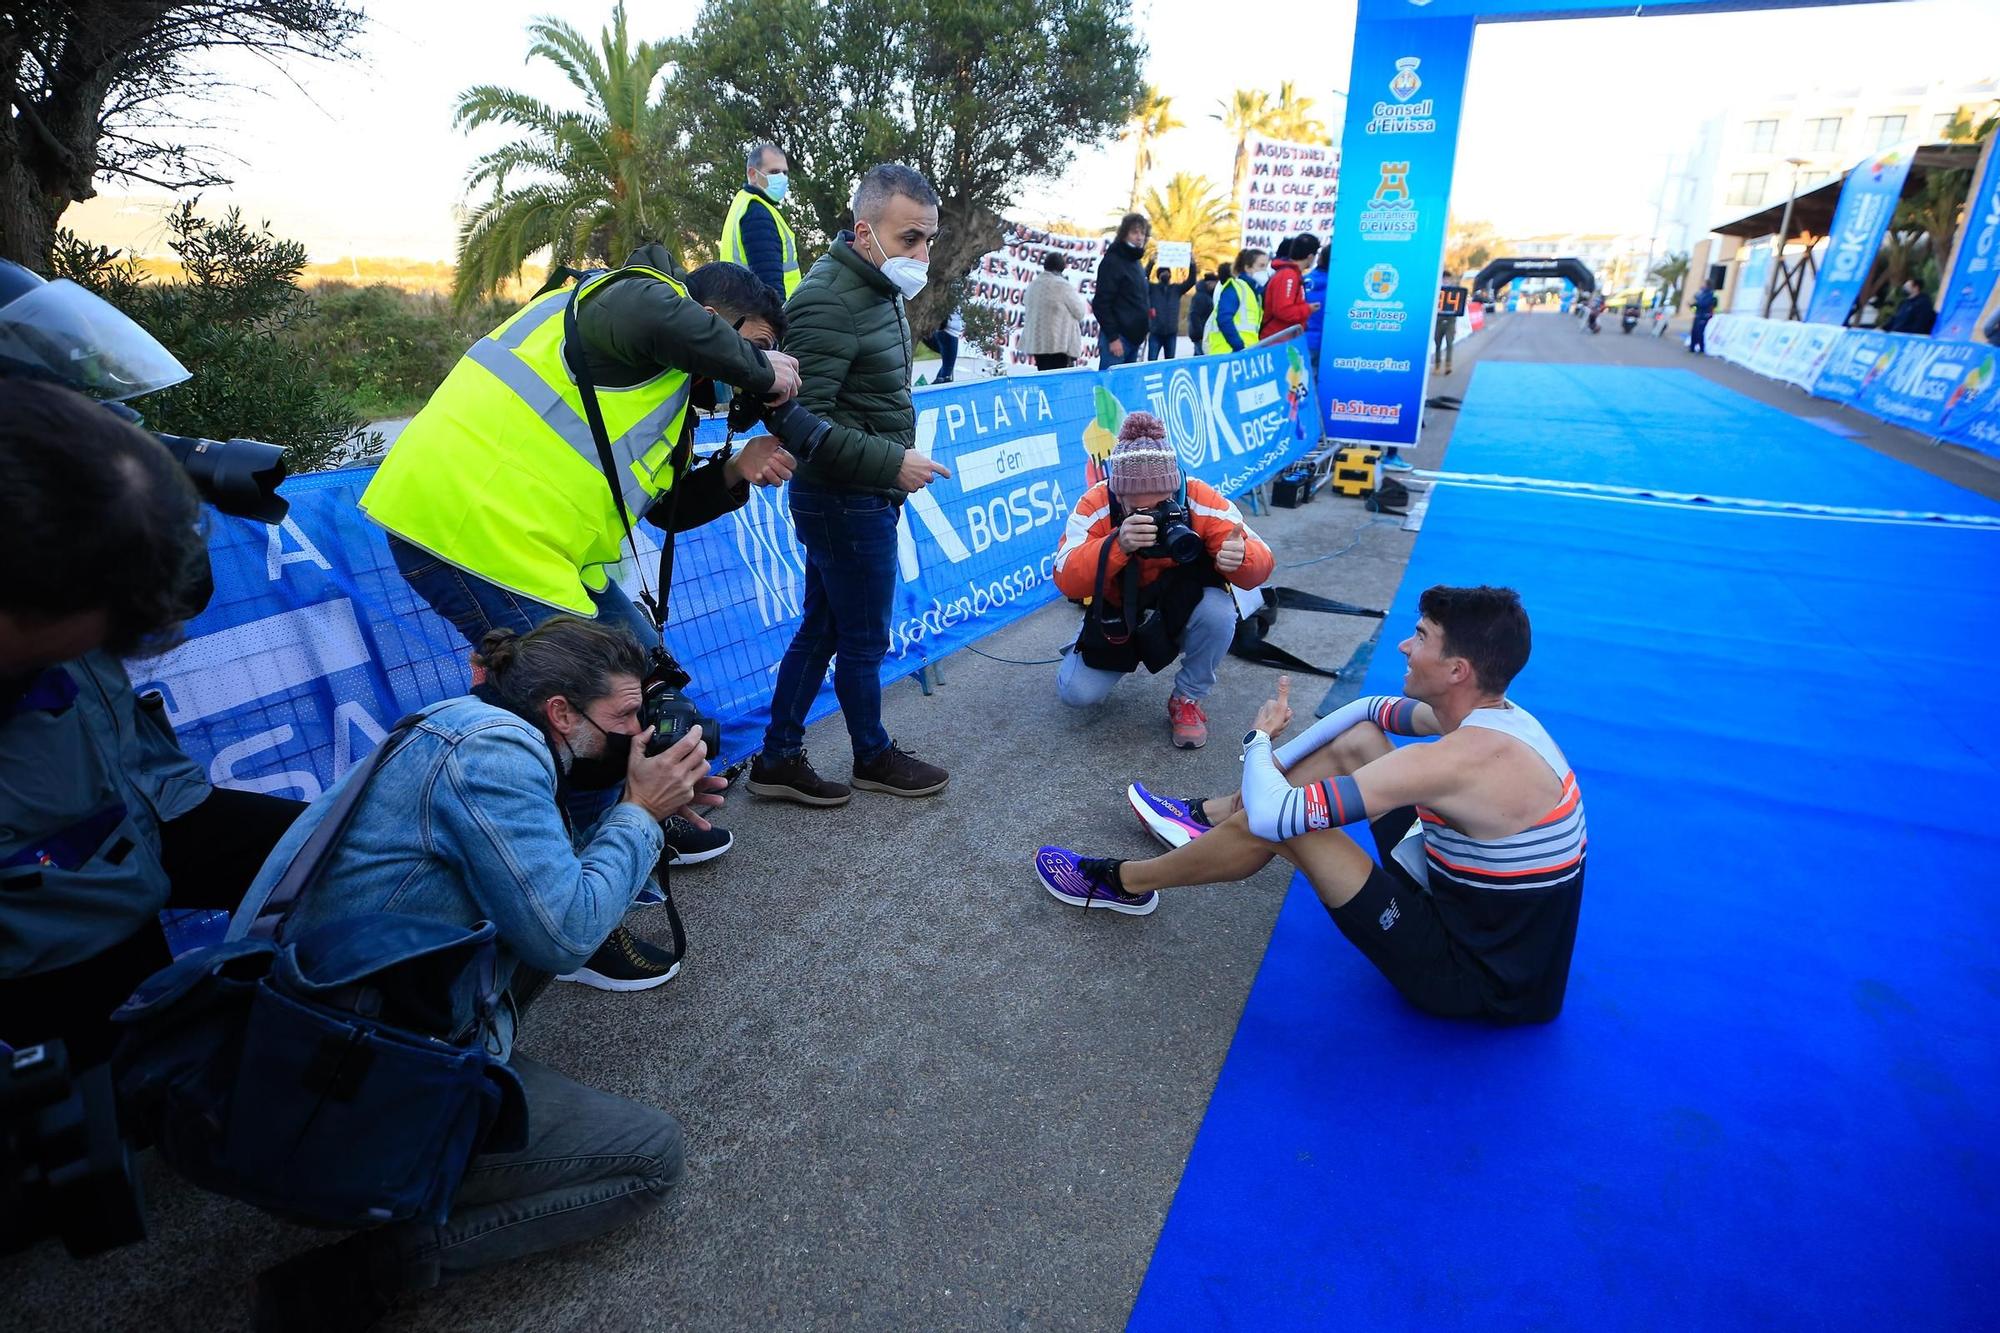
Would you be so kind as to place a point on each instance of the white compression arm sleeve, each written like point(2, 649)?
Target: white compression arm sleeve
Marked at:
point(1390, 712)
point(1277, 810)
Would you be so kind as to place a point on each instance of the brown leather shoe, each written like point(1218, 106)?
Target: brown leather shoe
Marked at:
point(900, 773)
point(793, 779)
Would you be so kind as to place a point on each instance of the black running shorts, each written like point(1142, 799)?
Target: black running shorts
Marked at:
point(1395, 923)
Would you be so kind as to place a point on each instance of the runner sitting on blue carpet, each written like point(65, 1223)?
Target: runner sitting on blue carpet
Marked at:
point(1473, 909)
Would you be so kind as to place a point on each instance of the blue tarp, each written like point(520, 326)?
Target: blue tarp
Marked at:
point(313, 645)
point(1771, 1099)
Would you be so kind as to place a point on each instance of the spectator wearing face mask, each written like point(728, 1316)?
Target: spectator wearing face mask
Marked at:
point(1121, 303)
point(1285, 305)
point(850, 329)
point(1239, 304)
point(755, 234)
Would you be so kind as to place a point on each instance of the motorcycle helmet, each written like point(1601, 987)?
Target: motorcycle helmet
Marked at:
point(63, 332)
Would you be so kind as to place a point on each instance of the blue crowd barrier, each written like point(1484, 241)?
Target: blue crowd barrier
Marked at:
point(1941, 387)
point(313, 645)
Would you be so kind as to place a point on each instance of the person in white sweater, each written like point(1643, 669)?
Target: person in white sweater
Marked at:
point(1053, 332)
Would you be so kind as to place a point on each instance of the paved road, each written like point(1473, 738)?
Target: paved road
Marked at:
point(918, 1092)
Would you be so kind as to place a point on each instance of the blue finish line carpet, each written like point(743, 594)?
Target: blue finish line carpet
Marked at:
point(1771, 1100)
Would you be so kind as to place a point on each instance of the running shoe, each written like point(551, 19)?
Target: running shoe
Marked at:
point(1187, 723)
point(625, 962)
point(690, 846)
point(1169, 820)
point(1086, 882)
point(1397, 463)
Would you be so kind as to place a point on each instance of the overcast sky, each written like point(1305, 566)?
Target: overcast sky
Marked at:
point(1568, 125)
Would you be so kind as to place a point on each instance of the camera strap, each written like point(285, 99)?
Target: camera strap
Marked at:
point(578, 358)
point(1129, 587)
point(311, 858)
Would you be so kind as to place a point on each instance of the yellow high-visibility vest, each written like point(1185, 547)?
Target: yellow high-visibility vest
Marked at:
point(1249, 317)
point(732, 236)
point(498, 473)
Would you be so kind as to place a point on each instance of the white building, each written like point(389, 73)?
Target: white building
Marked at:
point(1741, 158)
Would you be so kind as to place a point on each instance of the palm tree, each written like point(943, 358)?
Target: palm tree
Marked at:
point(1671, 273)
point(1292, 118)
point(1249, 112)
point(1934, 207)
point(1153, 118)
point(1190, 210)
point(584, 184)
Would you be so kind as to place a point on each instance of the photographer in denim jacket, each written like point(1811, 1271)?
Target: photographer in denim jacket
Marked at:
point(464, 822)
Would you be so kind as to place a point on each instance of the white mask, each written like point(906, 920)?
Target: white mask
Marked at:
point(909, 274)
point(775, 185)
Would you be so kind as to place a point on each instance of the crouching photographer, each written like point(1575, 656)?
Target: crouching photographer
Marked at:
point(103, 820)
point(1152, 556)
point(458, 823)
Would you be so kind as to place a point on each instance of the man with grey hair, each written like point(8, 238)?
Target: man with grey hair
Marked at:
point(851, 334)
point(755, 234)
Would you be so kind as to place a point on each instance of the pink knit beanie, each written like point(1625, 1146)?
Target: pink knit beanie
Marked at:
point(1142, 462)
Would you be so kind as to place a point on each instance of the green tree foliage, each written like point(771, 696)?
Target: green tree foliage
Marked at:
point(982, 96)
point(1248, 112)
point(1153, 119)
point(1189, 209)
point(590, 185)
point(1470, 246)
point(235, 323)
point(1671, 273)
point(1295, 117)
point(99, 90)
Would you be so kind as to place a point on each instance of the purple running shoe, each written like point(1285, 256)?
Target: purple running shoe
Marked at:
point(1165, 818)
point(1086, 882)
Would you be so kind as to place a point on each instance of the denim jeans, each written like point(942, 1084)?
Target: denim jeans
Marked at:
point(474, 606)
point(594, 1162)
point(1162, 346)
point(1210, 631)
point(850, 541)
point(1107, 358)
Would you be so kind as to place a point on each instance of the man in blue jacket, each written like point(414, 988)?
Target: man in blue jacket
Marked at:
point(464, 822)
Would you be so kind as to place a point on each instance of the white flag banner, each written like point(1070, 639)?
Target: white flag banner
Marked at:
point(1289, 188)
point(1001, 278)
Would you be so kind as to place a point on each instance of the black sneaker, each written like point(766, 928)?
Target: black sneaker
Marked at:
point(900, 773)
point(792, 779)
point(690, 846)
point(626, 962)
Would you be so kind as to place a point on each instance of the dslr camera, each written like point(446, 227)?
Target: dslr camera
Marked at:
point(670, 712)
point(797, 429)
point(1177, 540)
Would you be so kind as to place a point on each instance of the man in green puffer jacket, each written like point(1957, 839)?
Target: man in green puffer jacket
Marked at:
point(850, 331)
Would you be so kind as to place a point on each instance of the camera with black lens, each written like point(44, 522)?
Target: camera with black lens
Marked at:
point(239, 477)
point(65, 334)
point(668, 711)
point(797, 429)
point(65, 1170)
point(1177, 539)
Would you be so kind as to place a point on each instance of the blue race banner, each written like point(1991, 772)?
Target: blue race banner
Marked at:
point(313, 645)
point(1923, 379)
point(1867, 201)
point(1971, 294)
point(1397, 150)
point(1854, 364)
point(1971, 415)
